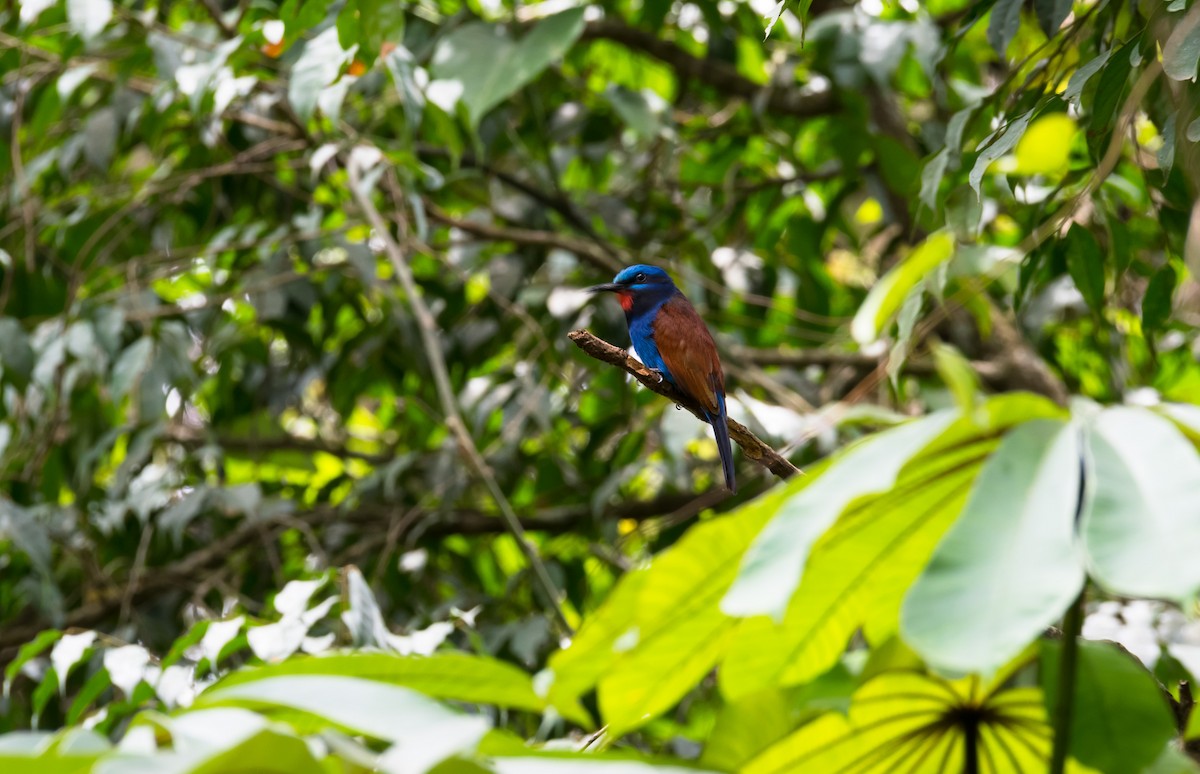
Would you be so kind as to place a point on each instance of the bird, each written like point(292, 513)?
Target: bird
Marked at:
point(674, 343)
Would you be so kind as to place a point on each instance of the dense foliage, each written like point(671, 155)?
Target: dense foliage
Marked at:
point(301, 472)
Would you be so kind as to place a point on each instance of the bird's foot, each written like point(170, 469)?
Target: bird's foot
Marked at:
point(657, 374)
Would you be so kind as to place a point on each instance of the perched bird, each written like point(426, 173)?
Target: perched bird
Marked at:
point(672, 340)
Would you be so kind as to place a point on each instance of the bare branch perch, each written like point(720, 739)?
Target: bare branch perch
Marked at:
point(753, 448)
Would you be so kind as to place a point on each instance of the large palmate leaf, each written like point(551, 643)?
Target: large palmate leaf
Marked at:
point(860, 569)
point(1141, 516)
point(661, 630)
point(1011, 564)
point(771, 570)
point(913, 722)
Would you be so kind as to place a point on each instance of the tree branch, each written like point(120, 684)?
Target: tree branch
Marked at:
point(523, 236)
point(714, 73)
point(431, 339)
point(754, 448)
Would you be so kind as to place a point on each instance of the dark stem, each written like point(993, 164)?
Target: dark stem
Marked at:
point(1065, 708)
point(971, 746)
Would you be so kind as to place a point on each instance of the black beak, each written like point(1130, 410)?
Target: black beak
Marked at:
point(608, 287)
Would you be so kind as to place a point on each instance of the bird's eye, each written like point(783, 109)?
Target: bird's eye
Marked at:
point(640, 277)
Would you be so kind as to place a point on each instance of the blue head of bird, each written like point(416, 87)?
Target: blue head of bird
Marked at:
point(639, 287)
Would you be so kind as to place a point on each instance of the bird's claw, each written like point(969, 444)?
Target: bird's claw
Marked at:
point(657, 374)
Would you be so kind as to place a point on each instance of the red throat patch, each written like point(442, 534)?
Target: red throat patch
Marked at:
point(626, 299)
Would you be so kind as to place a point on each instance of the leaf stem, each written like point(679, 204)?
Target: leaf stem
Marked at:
point(1065, 707)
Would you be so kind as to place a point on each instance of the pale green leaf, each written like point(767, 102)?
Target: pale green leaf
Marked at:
point(772, 567)
point(1141, 517)
point(1011, 564)
point(490, 67)
point(1004, 143)
point(88, 18)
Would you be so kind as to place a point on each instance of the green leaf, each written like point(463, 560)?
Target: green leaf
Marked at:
point(11, 763)
point(1085, 262)
point(451, 676)
point(1050, 14)
point(379, 710)
point(1080, 77)
point(402, 66)
point(635, 109)
point(1045, 148)
point(856, 575)
point(88, 18)
point(317, 67)
point(888, 294)
point(1010, 566)
point(745, 728)
point(906, 721)
point(1141, 518)
point(1003, 24)
point(1182, 49)
point(931, 177)
point(1000, 146)
point(772, 567)
point(16, 355)
point(1157, 302)
point(957, 374)
point(265, 752)
point(28, 651)
point(661, 630)
point(1110, 91)
point(678, 632)
point(1120, 720)
point(490, 68)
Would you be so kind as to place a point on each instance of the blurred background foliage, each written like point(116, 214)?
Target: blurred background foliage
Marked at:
point(219, 391)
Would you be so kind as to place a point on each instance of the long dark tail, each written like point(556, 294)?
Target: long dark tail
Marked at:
point(721, 432)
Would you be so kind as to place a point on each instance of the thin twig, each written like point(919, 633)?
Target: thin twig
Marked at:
point(754, 448)
point(430, 337)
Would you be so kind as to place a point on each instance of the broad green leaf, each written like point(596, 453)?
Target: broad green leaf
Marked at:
point(888, 294)
point(1011, 564)
point(1085, 262)
point(643, 663)
point(12, 763)
point(317, 67)
point(1120, 720)
point(910, 722)
point(745, 728)
point(678, 632)
point(266, 752)
point(1110, 90)
point(379, 710)
point(1080, 77)
point(1003, 24)
point(858, 572)
point(1157, 302)
point(931, 177)
point(772, 567)
point(1000, 146)
point(448, 675)
point(1141, 518)
point(583, 763)
point(1051, 13)
point(490, 68)
point(1182, 49)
